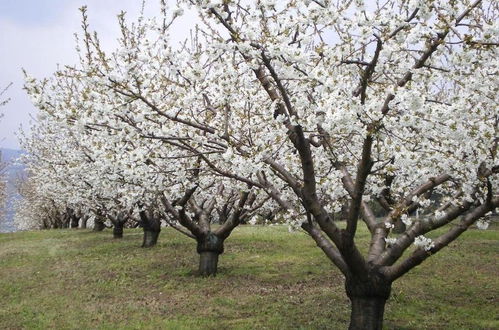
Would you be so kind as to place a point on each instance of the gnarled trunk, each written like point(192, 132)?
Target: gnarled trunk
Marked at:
point(210, 246)
point(368, 298)
point(152, 228)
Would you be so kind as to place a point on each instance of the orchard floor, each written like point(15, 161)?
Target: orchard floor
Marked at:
point(268, 279)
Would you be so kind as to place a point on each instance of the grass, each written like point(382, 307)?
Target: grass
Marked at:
point(268, 279)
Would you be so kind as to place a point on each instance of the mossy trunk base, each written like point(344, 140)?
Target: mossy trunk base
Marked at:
point(118, 231)
point(150, 238)
point(367, 313)
point(210, 246)
point(368, 295)
point(208, 263)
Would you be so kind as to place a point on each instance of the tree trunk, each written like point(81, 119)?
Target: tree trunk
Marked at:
point(152, 228)
point(368, 297)
point(367, 313)
point(150, 238)
point(208, 263)
point(118, 230)
point(74, 221)
point(99, 225)
point(84, 220)
point(210, 246)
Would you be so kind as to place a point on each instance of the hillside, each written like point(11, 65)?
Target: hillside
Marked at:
point(12, 171)
point(8, 155)
point(268, 278)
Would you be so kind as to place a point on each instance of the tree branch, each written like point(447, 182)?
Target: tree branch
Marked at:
point(442, 241)
point(326, 246)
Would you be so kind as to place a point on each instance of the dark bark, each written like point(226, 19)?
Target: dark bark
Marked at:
point(119, 220)
point(84, 220)
point(208, 263)
point(150, 238)
point(368, 296)
point(210, 246)
point(367, 313)
point(152, 228)
point(118, 229)
point(74, 221)
point(99, 225)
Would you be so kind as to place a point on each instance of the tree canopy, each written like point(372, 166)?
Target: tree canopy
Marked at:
point(308, 107)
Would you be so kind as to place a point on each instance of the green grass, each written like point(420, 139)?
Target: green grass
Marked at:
point(268, 278)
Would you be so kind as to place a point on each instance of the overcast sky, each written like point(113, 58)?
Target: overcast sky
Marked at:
point(39, 34)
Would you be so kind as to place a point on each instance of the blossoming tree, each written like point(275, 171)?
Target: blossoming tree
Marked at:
point(316, 103)
point(395, 101)
point(127, 155)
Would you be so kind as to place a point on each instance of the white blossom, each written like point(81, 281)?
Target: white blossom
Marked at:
point(423, 242)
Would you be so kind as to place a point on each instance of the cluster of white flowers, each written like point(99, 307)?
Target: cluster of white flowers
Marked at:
point(482, 224)
point(406, 220)
point(424, 243)
point(390, 241)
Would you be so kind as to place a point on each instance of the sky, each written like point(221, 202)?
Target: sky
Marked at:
point(37, 35)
